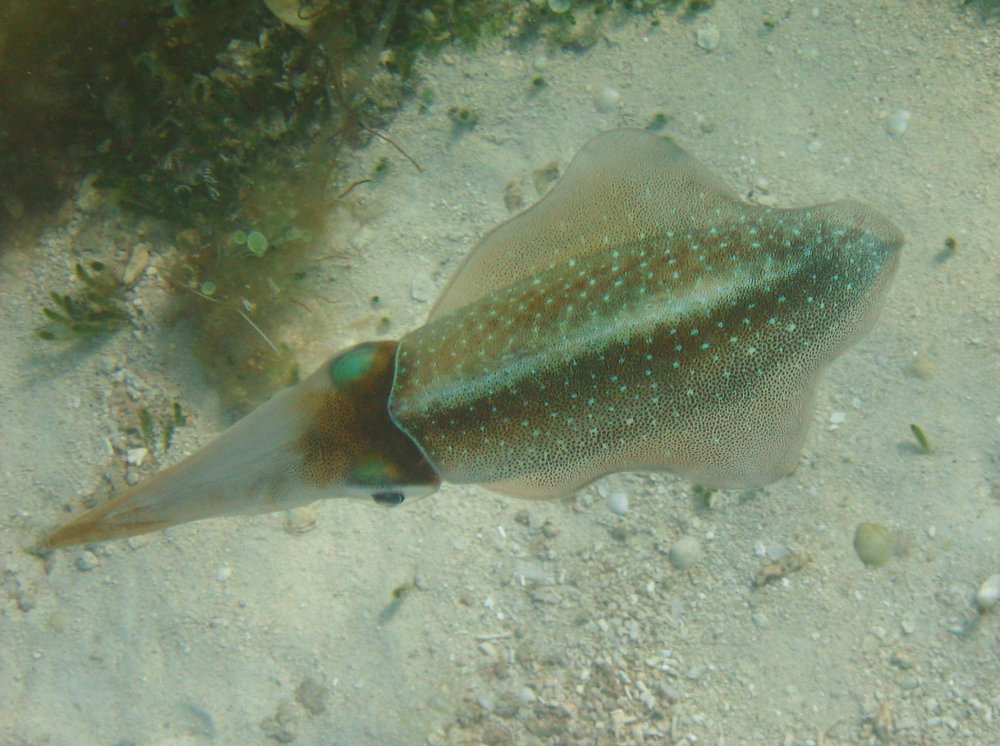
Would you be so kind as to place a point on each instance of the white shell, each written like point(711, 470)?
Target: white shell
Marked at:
point(989, 592)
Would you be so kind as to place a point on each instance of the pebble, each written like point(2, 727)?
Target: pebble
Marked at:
point(989, 593)
point(422, 288)
point(685, 552)
point(135, 456)
point(708, 37)
point(137, 263)
point(300, 520)
point(873, 544)
point(618, 503)
point(776, 552)
point(224, 573)
point(86, 561)
point(606, 100)
point(896, 123)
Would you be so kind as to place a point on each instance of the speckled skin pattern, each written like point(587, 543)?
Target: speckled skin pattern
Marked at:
point(640, 316)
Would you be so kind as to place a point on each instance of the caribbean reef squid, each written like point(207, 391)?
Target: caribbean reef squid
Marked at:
point(640, 316)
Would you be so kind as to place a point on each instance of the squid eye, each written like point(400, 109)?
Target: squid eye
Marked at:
point(388, 499)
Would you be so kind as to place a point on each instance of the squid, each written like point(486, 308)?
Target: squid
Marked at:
point(638, 317)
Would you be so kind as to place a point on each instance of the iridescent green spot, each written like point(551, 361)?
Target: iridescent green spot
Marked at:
point(352, 366)
point(372, 472)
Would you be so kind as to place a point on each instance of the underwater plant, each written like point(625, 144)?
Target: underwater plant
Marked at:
point(97, 308)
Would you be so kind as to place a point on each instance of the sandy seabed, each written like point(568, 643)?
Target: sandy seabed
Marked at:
point(558, 622)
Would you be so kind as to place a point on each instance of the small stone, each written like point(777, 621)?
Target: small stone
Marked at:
point(606, 100)
point(540, 63)
point(300, 520)
point(896, 123)
point(685, 552)
point(873, 544)
point(618, 503)
point(708, 37)
point(135, 456)
point(669, 693)
point(422, 288)
point(89, 197)
point(526, 696)
point(707, 126)
point(136, 265)
point(224, 573)
point(759, 619)
point(776, 552)
point(989, 593)
point(87, 561)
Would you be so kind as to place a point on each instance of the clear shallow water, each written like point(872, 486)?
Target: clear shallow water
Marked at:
point(207, 633)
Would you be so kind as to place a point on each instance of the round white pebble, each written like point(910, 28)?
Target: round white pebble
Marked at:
point(618, 503)
point(224, 573)
point(895, 125)
point(86, 561)
point(708, 37)
point(606, 100)
point(422, 288)
point(989, 593)
point(685, 552)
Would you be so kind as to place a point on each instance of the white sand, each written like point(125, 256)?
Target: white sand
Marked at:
point(152, 647)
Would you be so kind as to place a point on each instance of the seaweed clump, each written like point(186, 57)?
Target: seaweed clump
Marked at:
point(222, 118)
point(98, 308)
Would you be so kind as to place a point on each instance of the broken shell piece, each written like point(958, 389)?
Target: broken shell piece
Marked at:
point(136, 265)
point(300, 520)
point(989, 593)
